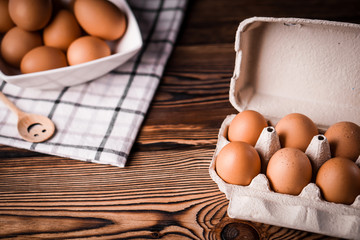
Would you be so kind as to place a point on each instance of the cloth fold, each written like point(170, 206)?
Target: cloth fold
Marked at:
point(98, 121)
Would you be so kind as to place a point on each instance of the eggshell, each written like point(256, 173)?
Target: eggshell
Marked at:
point(16, 43)
point(344, 140)
point(43, 58)
point(238, 163)
point(62, 30)
point(247, 127)
point(339, 180)
point(87, 48)
point(5, 21)
point(296, 130)
point(100, 18)
point(289, 171)
point(30, 15)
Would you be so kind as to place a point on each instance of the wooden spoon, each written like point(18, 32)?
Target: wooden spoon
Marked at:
point(31, 127)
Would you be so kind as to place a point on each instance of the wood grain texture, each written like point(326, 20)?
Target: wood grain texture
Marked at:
point(165, 190)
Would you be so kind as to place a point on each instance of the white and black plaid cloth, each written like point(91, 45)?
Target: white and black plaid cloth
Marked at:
point(98, 121)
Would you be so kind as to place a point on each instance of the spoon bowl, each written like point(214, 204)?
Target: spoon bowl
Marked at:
point(31, 127)
point(35, 128)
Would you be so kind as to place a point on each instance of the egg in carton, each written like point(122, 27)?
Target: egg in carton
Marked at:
point(286, 65)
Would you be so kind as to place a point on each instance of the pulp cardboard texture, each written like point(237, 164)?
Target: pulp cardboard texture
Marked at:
point(286, 65)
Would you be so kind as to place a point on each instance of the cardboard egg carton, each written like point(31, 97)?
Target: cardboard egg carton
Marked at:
point(286, 65)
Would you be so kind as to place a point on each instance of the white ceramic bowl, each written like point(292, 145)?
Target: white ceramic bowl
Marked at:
point(58, 78)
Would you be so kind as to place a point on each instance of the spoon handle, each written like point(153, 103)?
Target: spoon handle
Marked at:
point(10, 105)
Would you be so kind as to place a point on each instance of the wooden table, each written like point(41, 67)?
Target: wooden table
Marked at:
point(165, 190)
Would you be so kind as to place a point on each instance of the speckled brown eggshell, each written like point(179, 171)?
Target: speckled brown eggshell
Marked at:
point(339, 180)
point(43, 58)
point(62, 30)
point(87, 48)
point(344, 140)
point(30, 15)
point(289, 171)
point(247, 127)
point(100, 18)
point(5, 21)
point(238, 163)
point(16, 43)
point(296, 130)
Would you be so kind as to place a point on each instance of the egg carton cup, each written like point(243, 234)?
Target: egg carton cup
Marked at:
point(286, 65)
point(308, 211)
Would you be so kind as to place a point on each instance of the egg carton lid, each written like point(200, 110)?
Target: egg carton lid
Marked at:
point(286, 65)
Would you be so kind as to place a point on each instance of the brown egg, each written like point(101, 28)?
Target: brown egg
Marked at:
point(30, 15)
point(62, 30)
point(5, 21)
point(43, 58)
point(296, 130)
point(16, 43)
point(289, 171)
point(238, 163)
point(246, 127)
point(344, 140)
point(87, 48)
point(100, 18)
point(339, 180)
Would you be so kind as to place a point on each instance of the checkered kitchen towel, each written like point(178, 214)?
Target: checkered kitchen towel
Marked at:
point(98, 121)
